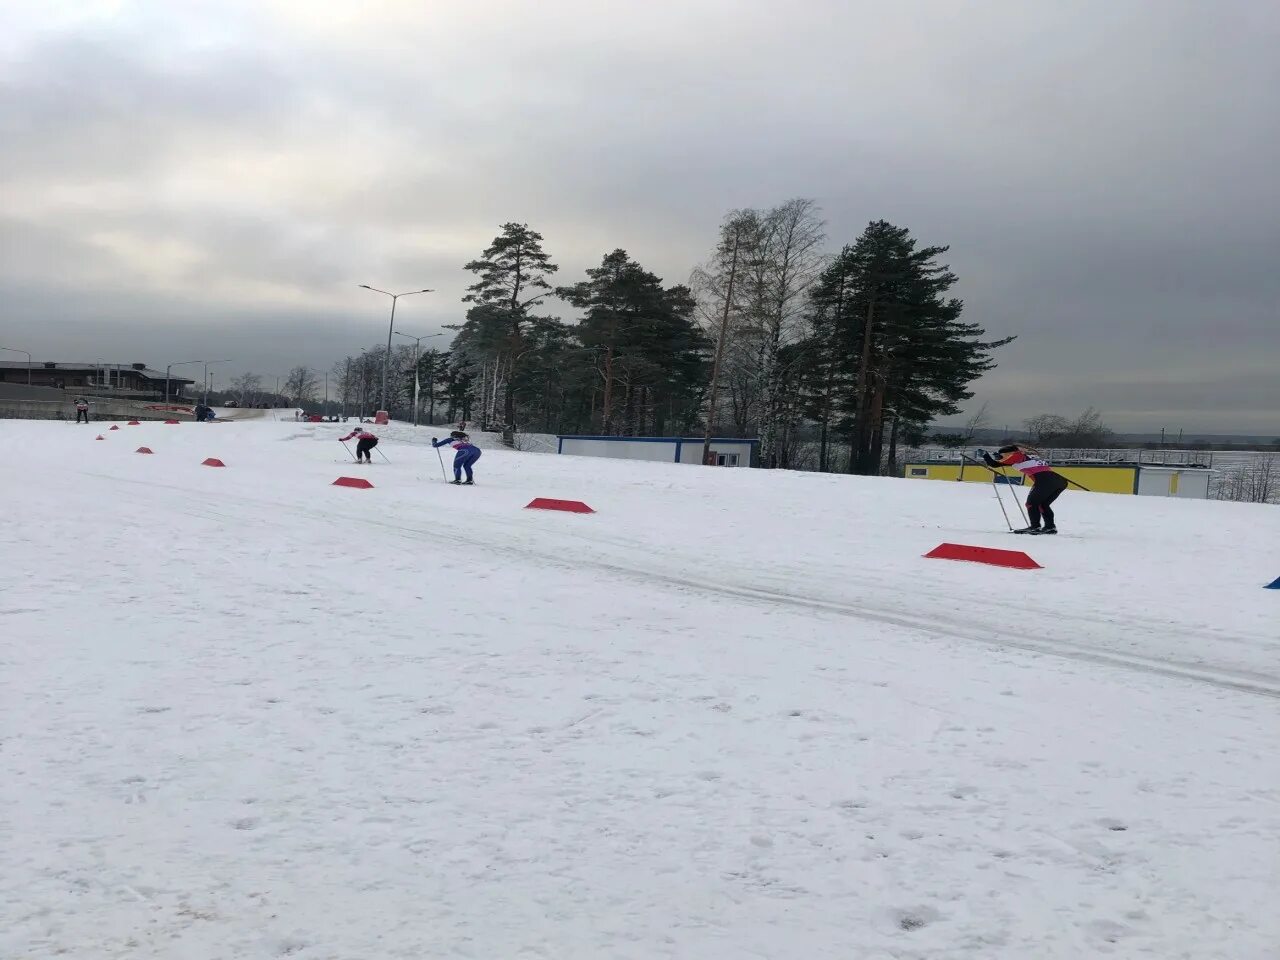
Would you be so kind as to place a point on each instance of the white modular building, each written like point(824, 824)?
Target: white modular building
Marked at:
point(725, 452)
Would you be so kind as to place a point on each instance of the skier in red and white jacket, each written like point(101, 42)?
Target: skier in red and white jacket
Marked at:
point(365, 442)
point(1045, 485)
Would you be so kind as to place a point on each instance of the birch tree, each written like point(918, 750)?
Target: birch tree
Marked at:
point(717, 287)
point(787, 260)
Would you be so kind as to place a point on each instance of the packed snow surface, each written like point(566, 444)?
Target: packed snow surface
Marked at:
point(733, 714)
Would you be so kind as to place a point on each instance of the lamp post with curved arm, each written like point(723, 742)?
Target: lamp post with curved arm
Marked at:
point(206, 363)
point(167, 371)
point(386, 360)
point(417, 342)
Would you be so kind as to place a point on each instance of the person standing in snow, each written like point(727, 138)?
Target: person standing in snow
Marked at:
point(1045, 484)
point(365, 442)
point(465, 457)
point(82, 409)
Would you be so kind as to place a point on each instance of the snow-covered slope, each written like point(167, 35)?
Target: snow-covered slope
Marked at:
point(249, 714)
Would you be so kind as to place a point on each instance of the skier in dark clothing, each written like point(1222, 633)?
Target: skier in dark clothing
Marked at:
point(82, 409)
point(1045, 485)
point(465, 457)
point(365, 442)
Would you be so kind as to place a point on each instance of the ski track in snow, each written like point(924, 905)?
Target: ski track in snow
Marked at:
point(498, 533)
point(245, 715)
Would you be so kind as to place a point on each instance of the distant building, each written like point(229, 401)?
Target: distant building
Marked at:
point(725, 452)
point(133, 380)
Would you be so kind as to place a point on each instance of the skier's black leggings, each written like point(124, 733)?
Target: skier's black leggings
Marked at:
point(364, 448)
point(82, 413)
point(1045, 489)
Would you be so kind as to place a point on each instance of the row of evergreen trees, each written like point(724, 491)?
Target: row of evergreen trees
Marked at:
point(773, 337)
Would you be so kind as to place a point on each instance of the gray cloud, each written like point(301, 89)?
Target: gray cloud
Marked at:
point(225, 175)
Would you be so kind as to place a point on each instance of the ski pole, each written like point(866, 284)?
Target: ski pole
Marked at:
point(996, 487)
point(348, 449)
point(382, 455)
point(440, 456)
point(996, 478)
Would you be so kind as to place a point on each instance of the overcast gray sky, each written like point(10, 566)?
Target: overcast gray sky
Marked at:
point(216, 178)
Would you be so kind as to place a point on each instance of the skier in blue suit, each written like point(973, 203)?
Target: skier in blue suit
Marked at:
point(467, 454)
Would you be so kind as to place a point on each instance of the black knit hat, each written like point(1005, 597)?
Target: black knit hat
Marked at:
point(1009, 449)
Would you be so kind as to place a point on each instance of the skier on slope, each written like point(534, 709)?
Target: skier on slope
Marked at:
point(82, 409)
point(365, 442)
point(465, 457)
point(1045, 485)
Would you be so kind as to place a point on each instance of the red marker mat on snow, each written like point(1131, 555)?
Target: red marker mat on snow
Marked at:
point(359, 483)
point(1014, 559)
point(212, 462)
point(173, 422)
point(568, 506)
point(115, 426)
point(144, 450)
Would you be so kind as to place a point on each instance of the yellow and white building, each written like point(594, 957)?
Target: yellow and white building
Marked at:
point(1139, 479)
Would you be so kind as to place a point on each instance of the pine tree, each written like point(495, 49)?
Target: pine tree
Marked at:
point(511, 278)
point(888, 329)
point(646, 347)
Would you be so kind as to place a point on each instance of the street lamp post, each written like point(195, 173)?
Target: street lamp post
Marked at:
point(417, 341)
point(206, 363)
point(386, 360)
point(170, 368)
point(12, 350)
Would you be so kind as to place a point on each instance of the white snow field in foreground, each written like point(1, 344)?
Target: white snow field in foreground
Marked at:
point(734, 714)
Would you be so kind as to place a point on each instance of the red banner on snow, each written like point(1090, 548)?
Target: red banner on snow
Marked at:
point(568, 506)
